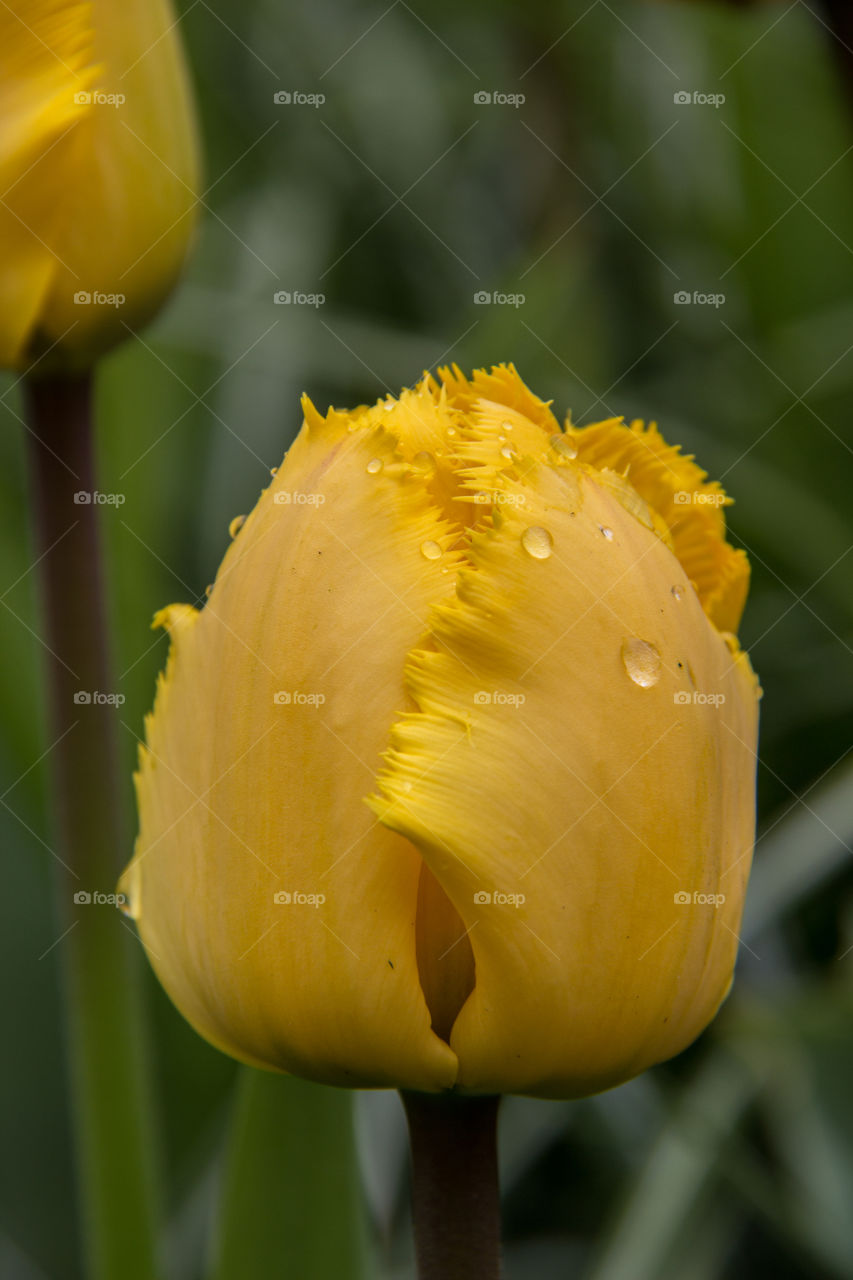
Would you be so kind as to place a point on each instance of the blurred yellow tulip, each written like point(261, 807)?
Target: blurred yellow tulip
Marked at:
point(535, 629)
point(98, 174)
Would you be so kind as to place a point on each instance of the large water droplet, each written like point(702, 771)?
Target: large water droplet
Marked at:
point(430, 550)
point(424, 461)
point(374, 465)
point(608, 533)
point(642, 662)
point(236, 525)
point(564, 447)
point(537, 542)
point(507, 426)
point(507, 452)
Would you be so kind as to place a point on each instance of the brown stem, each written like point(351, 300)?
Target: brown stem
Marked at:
point(109, 1101)
point(455, 1197)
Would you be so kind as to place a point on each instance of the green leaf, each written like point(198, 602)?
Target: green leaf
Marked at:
point(291, 1201)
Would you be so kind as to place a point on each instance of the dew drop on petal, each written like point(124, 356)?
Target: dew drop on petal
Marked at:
point(208, 588)
point(430, 550)
point(507, 452)
point(642, 662)
point(389, 405)
point(273, 471)
point(424, 461)
point(451, 431)
point(677, 592)
point(126, 908)
point(236, 525)
point(564, 447)
point(537, 542)
point(507, 426)
point(374, 465)
point(608, 533)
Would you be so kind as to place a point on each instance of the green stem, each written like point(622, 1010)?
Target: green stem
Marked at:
point(98, 955)
point(455, 1198)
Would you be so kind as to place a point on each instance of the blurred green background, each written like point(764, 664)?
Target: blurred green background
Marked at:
point(598, 198)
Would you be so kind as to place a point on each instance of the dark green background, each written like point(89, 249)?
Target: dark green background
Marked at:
point(598, 199)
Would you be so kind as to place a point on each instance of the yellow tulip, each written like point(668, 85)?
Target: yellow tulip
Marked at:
point(539, 890)
point(98, 172)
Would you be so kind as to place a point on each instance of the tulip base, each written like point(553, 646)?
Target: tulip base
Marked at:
point(455, 1196)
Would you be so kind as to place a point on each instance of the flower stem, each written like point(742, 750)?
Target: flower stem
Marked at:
point(455, 1198)
point(99, 964)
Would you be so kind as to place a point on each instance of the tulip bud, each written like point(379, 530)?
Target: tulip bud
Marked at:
point(516, 644)
point(98, 168)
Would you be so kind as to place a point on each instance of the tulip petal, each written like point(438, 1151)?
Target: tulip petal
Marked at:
point(582, 752)
point(46, 61)
point(242, 798)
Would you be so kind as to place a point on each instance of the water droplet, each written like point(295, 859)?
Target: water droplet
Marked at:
point(126, 908)
point(236, 525)
point(677, 592)
point(507, 452)
point(430, 550)
point(642, 662)
point(424, 461)
point(273, 471)
point(208, 588)
point(389, 405)
point(608, 533)
point(507, 426)
point(537, 542)
point(374, 465)
point(564, 447)
point(451, 431)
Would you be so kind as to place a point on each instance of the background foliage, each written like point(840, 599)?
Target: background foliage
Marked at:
point(598, 199)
